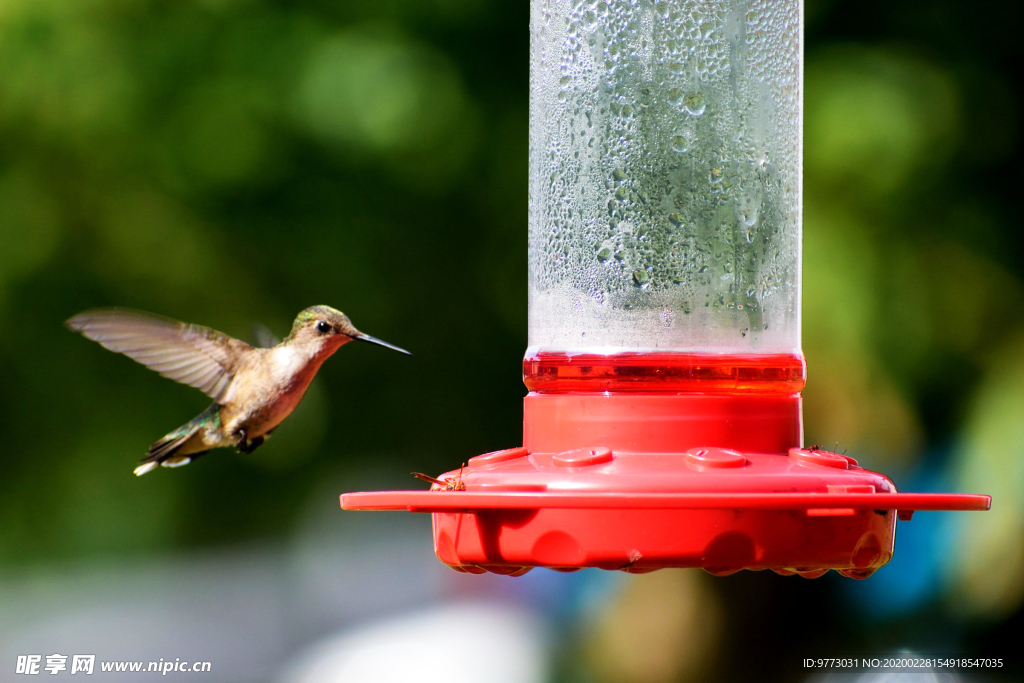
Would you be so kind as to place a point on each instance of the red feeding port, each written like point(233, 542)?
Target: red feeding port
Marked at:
point(663, 422)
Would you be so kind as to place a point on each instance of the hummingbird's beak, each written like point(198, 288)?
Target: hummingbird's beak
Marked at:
point(359, 336)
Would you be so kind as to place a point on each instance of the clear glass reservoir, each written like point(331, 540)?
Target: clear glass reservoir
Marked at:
point(665, 193)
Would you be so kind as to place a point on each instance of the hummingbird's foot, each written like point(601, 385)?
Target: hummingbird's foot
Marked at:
point(246, 445)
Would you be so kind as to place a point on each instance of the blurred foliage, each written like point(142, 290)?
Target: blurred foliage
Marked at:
point(233, 161)
point(914, 284)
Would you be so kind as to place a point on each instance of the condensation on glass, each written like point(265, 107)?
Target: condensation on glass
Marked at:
point(665, 178)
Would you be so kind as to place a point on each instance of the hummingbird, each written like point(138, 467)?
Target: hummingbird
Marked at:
point(253, 389)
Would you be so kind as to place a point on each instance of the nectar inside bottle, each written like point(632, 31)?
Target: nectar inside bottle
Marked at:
point(658, 371)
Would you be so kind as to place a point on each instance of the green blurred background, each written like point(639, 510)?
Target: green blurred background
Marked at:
point(233, 161)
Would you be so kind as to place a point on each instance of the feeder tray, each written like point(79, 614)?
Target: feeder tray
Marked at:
point(521, 510)
point(637, 507)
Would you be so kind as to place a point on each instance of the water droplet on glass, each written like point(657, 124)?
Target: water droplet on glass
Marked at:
point(641, 278)
point(681, 142)
point(604, 254)
point(748, 216)
point(694, 104)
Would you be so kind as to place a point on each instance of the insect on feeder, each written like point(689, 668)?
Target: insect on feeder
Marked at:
point(663, 422)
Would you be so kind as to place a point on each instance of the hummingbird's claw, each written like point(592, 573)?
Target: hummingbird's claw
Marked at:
point(246, 445)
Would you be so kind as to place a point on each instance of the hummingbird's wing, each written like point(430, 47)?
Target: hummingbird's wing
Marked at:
point(191, 354)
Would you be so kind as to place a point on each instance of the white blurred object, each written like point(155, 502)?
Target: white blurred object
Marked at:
point(888, 677)
point(455, 643)
point(247, 610)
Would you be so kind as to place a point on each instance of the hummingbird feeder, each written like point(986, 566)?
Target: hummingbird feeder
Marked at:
point(663, 423)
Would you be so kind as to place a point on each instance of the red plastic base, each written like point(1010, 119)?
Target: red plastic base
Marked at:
point(639, 482)
point(636, 512)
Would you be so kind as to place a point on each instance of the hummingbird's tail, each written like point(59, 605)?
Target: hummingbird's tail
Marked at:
point(165, 451)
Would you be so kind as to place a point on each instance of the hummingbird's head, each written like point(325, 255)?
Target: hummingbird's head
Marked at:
point(328, 328)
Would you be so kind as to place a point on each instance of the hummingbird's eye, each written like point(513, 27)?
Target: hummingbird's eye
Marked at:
point(323, 327)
